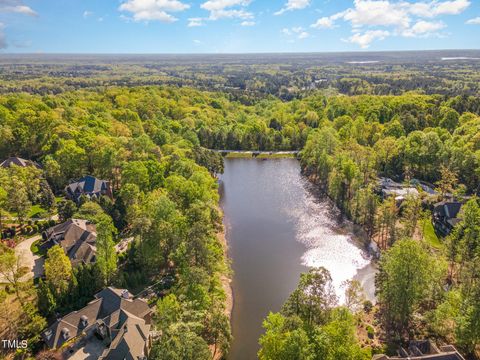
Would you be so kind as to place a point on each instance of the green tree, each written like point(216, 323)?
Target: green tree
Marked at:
point(448, 181)
point(66, 209)
point(337, 339)
point(46, 301)
point(12, 269)
point(168, 311)
point(407, 276)
point(106, 254)
point(281, 343)
point(46, 196)
point(58, 272)
point(314, 297)
point(179, 342)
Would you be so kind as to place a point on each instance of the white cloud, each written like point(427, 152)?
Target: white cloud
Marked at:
point(229, 14)
point(149, 10)
point(87, 14)
point(366, 38)
point(296, 31)
point(197, 42)
point(376, 13)
point(454, 7)
point(16, 6)
point(193, 22)
point(12, 6)
point(400, 18)
point(423, 28)
point(213, 5)
point(474, 21)
point(303, 35)
point(324, 23)
point(220, 9)
point(248, 23)
point(293, 5)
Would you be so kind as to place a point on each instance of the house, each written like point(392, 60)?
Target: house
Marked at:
point(386, 187)
point(387, 183)
point(424, 350)
point(426, 187)
point(399, 193)
point(89, 186)
point(118, 325)
point(19, 162)
point(445, 216)
point(77, 238)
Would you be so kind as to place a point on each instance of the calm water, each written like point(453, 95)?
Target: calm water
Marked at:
point(276, 228)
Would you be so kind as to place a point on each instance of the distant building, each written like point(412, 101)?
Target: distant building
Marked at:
point(19, 162)
point(428, 188)
point(445, 216)
point(386, 187)
point(424, 350)
point(77, 238)
point(115, 325)
point(88, 186)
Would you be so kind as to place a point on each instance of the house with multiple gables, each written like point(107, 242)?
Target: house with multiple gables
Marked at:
point(77, 238)
point(19, 162)
point(445, 216)
point(113, 326)
point(90, 187)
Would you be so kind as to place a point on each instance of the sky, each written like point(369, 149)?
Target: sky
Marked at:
point(236, 26)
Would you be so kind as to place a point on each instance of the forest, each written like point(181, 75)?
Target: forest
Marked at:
point(151, 142)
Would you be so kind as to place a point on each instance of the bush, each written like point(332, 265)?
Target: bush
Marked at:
point(367, 306)
point(370, 331)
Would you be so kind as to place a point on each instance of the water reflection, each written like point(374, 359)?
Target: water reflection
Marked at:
point(276, 229)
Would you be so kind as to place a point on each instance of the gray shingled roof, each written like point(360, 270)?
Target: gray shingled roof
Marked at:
point(89, 186)
point(127, 319)
point(19, 162)
point(77, 237)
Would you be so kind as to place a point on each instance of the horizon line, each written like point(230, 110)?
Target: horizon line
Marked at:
point(235, 53)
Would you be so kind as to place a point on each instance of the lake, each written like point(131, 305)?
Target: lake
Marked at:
point(276, 228)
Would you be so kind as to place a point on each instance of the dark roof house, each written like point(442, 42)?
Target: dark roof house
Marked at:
point(19, 162)
point(424, 350)
point(77, 238)
point(445, 216)
point(121, 322)
point(89, 186)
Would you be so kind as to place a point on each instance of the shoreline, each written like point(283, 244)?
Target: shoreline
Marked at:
point(226, 278)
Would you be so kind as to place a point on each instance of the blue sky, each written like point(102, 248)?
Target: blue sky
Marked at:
point(236, 26)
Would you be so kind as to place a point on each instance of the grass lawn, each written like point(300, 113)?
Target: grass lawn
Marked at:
point(429, 234)
point(37, 212)
point(35, 249)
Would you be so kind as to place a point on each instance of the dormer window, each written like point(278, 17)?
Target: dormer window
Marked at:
point(65, 333)
point(84, 321)
point(125, 294)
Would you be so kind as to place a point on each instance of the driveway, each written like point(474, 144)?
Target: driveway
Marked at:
point(34, 263)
